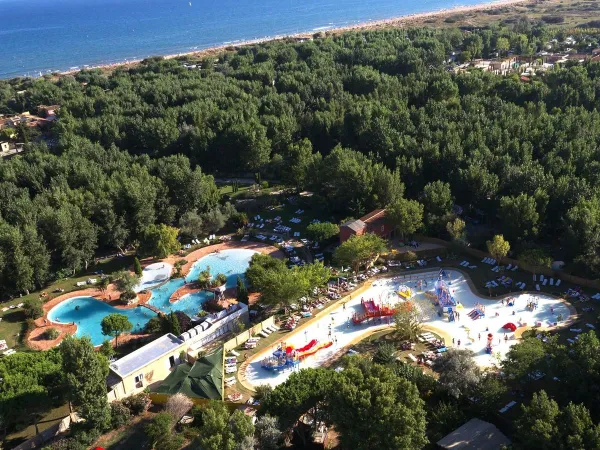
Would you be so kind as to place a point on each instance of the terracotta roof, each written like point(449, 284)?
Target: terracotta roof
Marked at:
point(355, 225)
point(373, 215)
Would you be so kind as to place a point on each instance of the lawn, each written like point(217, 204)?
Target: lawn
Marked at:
point(51, 418)
point(13, 326)
point(287, 211)
point(368, 346)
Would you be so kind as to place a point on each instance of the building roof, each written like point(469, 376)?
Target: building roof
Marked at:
point(373, 215)
point(355, 225)
point(202, 380)
point(145, 355)
point(475, 435)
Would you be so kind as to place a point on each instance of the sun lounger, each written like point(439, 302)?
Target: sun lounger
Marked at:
point(484, 260)
point(234, 353)
point(545, 282)
point(412, 357)
point(494, 268)
point(534, 277)
point(263, 334)
point(575, 330)
point(570, 341)
point(20, 305)
point(514, 268)
point(508, 406)
point(558, 282)
point(438, 259)
point(9, 352)
point(551, 281)
point(541, 277)
point(537, 287)
point(81, 283)
point(508, 267)
point(589, 325)
point(473, 267)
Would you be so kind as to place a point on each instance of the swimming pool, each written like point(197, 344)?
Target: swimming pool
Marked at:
point(87, 312)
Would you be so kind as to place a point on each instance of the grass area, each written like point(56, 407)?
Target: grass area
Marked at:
point(13, 326)
point(51, 418)
point(130, 436)
point(572, 12)
point(368, 346)
point(287, 211)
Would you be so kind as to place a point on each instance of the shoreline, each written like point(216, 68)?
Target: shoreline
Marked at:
point(393, 22)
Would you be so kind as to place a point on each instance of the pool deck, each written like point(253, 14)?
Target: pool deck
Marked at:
point(111, 296)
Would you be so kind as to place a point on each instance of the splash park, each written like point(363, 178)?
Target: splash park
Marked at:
point(446, 305)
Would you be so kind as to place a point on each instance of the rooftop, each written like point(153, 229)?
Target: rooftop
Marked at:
point(475, 435)
point(354, 225)
point(373, 215)
point(145, 355)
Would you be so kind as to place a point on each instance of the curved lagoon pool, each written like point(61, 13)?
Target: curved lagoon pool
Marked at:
point(87, 312)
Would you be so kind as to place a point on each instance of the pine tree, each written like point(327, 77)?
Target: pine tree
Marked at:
point(242, 291)
point(137, 267)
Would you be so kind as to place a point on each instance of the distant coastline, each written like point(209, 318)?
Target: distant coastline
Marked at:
point(394, 22)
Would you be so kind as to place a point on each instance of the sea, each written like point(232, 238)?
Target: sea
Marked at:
point(43, 36)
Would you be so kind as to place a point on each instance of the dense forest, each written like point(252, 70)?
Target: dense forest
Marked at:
point(360, 118)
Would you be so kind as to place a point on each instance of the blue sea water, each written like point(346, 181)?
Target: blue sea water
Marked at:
point(39, 36)
point(87, 313)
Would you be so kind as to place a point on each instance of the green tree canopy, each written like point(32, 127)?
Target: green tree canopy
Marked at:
point(405, 215)
point(323, 231)
point(371, 408)
point(85, 371)
point(359, 250)
point(221, 430)
point(498, 247)
point(160, 241)
point(459, 373)
point(115, 324)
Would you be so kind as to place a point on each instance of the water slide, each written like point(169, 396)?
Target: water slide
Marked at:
point(307, 347)
point(314, 349)
point(370, 306)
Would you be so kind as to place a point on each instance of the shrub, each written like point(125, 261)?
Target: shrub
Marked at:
point(553, 19)
point(138, 403)
point(384, 354)
point(154, 325)
point(33, 308)
point(137, 267)
point(51, 334)
point(107, 349)
point(66, 444)
point(127, 296)
point(178, 405)
point(185, 323)
point(262, 391)
point(264, 184)
point(120, 414)
point(212, 306)
point(219, 280)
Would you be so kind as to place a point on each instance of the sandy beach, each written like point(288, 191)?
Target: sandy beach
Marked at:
point(394, 22)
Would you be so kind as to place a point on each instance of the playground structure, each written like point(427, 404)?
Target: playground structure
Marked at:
point(372, 310)
point(404, 292)
point(286, 356)
point(444, 299)
point(488, 346)
point(478, 312)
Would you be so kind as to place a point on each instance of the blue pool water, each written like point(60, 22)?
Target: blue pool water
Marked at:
point(39, 36)
point(88, 312)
